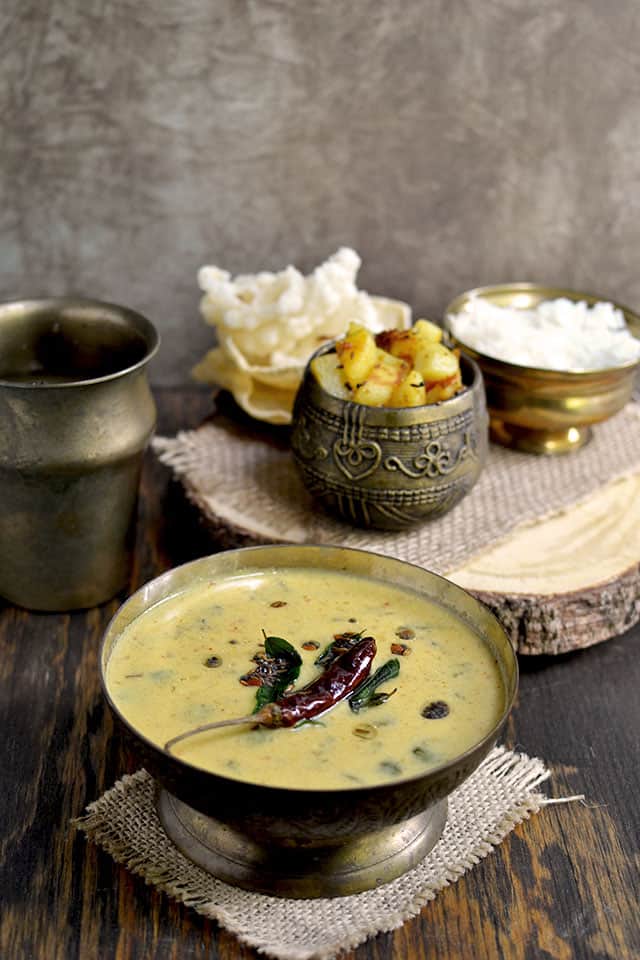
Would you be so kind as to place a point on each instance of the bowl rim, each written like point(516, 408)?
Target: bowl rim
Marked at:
point(510, 677)
point(550, 292)
point(119, 314)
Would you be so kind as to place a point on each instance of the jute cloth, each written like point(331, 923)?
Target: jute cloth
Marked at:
point(249, 489)
point(482, 811)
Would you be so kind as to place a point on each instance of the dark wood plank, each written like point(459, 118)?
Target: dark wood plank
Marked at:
point(563, 885)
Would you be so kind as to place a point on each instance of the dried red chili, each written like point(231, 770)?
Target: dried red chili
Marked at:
point(335, 683)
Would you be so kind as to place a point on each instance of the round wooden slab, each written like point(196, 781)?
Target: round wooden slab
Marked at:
point(569, 581)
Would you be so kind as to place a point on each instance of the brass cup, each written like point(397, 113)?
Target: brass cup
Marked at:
point(306, 843)
point(546, 411)
point(76, 413)
point(389, 468)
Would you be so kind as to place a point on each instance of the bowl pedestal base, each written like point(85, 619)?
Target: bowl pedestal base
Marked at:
point(332, 871)
point(530, 440)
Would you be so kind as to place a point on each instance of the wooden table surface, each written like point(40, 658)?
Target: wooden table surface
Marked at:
point(563, 885)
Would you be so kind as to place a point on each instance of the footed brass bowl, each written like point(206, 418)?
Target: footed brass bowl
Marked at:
point(389, 467)
point(302, 842)
point(546, 411)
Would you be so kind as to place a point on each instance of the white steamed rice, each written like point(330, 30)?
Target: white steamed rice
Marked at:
point(556, 335)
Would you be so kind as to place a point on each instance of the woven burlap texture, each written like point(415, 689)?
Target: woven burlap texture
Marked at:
point(252, 487)
point(482, 811)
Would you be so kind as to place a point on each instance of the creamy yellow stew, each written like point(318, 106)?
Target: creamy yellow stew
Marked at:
point(179, 665)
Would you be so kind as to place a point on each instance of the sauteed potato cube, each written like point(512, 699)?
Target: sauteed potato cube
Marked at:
point(437, 363)
point(427, 330)
point(327, 370)
point(357, 354)
point(387, 372)
point(408, 344)
point(410, 392)
point(443, 389)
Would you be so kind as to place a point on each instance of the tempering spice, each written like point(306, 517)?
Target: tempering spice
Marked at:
point(436, 710)
point(276, 669)
point(400, 649)
point(366, 731)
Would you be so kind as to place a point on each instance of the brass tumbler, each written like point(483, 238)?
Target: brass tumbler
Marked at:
point(76, 413)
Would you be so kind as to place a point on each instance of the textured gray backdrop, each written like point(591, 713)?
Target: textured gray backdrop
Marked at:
point(451, 142)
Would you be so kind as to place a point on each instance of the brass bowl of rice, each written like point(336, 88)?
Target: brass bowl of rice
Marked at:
point(518, 332)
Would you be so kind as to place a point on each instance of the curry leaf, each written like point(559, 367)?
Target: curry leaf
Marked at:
point(366, 694)
point(278, 648)
point(285, 670)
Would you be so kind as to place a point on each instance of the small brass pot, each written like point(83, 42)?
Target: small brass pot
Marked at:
point(389, 467)
point(76, 413)
point(307, 843)
point(546, 411)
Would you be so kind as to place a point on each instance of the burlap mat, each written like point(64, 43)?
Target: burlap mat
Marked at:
point(249, 490)
point(498, 795)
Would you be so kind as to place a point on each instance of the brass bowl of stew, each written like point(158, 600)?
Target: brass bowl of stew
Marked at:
point(322, 836)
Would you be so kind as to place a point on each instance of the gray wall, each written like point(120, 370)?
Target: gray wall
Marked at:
point(451, 142)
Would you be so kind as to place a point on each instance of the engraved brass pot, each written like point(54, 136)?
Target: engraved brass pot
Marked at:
point(306, 843)
point(546, 411)
point(76, 413)
point(389, 467)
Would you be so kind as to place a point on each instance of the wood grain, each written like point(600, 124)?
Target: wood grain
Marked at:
point(569, 581)
point(559, 623)
point(563, 885)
